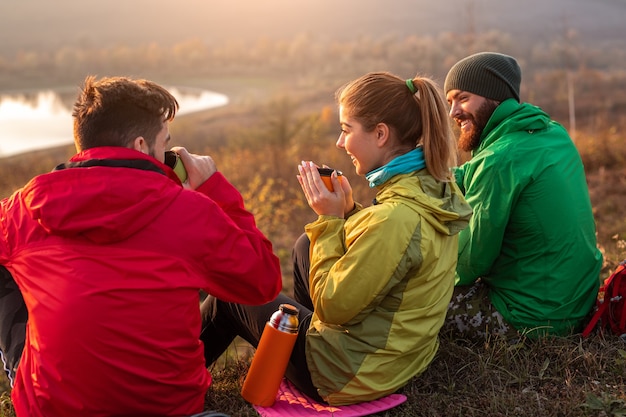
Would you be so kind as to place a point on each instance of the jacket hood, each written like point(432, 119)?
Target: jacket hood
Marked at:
point(104, 194)
point(439, 203)
point(518, 116)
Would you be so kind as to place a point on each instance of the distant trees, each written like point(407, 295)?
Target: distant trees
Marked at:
point(303, 55)
point(306, 61)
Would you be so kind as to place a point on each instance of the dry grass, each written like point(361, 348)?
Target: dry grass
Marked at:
point(550, 377)
point(547, 377)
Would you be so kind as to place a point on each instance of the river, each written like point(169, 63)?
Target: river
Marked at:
point(40, 120)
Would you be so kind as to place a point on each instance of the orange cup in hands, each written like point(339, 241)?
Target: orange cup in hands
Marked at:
point(325, 174)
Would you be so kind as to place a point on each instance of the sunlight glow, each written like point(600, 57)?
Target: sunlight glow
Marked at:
point(41, 122)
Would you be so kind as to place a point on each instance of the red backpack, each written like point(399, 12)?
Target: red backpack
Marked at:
point(610, 309)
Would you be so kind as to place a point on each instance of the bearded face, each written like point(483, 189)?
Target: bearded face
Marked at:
point(472, 125)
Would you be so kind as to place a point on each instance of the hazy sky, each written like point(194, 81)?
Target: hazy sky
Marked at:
point(40, 22)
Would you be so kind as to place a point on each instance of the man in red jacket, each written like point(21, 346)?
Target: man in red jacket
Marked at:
point(109, 251)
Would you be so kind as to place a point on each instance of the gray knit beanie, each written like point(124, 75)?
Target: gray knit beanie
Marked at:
point(487, 74)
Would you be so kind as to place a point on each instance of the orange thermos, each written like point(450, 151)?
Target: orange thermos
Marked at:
point(271, 357)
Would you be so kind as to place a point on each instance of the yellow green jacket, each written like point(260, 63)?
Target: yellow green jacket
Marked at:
point(381, 282)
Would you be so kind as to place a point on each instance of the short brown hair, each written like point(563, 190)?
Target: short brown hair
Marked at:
point(113, 111)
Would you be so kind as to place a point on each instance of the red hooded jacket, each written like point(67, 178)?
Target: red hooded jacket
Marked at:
point(110, 257)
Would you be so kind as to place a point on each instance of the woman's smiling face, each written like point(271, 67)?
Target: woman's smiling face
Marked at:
point(361, 146)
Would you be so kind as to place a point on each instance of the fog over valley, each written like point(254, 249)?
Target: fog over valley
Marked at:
point(42, 23)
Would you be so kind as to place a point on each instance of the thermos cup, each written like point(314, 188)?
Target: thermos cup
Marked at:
point(271, 357)
point(172, 160)
point(325, 174)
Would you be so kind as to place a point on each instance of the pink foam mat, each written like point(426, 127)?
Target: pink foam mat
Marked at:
point(292, 403)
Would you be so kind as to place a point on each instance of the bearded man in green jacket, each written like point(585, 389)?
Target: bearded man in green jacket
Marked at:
point(528, 262)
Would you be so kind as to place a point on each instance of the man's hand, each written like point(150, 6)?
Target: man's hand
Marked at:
point(199, 167)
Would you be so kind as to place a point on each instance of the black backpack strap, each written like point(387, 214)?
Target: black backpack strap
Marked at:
point(118, 163)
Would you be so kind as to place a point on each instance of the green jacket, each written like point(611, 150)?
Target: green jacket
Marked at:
point(381, 282)
point(532, 238)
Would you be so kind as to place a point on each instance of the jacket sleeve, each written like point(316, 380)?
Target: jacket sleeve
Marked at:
point(491, 190)
point(459, 174)
point(350, 276)
point(260, 269)
point(229, 199)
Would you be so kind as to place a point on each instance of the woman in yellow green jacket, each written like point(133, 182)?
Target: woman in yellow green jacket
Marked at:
point(376, 291)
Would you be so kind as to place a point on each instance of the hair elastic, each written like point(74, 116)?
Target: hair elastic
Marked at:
point(409, 83)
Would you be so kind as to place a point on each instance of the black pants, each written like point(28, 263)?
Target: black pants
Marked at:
point(13, 317)
point(222, 322)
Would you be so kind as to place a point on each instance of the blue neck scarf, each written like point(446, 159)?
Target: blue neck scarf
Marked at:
point(403, 164)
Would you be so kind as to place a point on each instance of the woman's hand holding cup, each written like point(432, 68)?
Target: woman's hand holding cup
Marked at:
point(318, 195)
